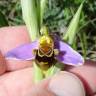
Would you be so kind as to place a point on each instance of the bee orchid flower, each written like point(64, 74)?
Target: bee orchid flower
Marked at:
point(47, 48)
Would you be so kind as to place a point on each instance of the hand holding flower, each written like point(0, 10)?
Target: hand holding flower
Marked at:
point(18, 81)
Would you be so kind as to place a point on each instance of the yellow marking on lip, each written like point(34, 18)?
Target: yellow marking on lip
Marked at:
point(42, 63)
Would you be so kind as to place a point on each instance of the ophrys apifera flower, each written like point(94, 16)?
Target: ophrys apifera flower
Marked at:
point(45, 51)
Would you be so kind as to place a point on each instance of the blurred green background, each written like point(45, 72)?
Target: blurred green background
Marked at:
point(57, 16)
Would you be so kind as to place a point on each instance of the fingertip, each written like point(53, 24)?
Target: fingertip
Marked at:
point(66, 84)
point(13, 37)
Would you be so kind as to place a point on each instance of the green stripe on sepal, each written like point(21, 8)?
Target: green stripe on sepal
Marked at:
point(53, 70)
point(38, 73)
point(72, 28)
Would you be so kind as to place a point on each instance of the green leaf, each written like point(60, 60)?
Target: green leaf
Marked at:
point(3, 20)
point(72, 28)
point(29, 11)
point(42, 7)
point(38, 12)
point(84, 45)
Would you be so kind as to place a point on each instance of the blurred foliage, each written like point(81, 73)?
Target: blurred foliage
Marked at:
point(3, 21)
point(57, 16)
point(12, 11)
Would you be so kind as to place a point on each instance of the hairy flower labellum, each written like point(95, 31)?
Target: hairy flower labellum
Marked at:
point(45, 55)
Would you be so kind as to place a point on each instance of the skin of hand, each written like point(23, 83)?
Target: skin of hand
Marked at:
point(16, 77)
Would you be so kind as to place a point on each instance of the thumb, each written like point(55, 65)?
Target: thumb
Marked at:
point(66, 84)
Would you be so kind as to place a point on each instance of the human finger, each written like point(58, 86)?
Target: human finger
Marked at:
point(21, 83)
point(16, 83)
point(66, 84)
point(12, 38)
point(87, 73)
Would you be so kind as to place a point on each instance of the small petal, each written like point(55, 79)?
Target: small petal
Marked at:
point(23, 52)
point(67, 55)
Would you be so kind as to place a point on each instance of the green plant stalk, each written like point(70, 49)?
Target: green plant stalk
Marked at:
point(29, 12)
point(72, 28)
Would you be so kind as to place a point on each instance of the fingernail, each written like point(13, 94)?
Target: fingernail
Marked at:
point(66, 84)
